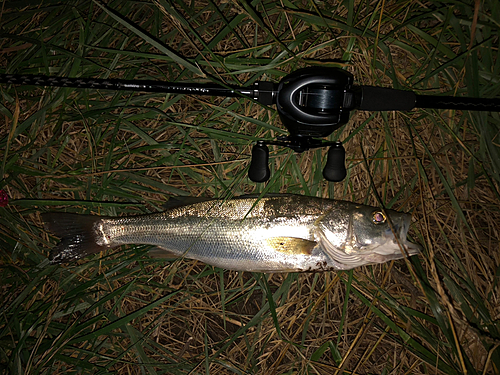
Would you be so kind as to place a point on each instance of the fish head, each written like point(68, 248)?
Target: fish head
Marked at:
point(367, 235)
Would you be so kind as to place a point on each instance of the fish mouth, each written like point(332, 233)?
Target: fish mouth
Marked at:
point(392, 245)
point(397, 241)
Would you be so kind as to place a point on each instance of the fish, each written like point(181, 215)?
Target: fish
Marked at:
point(270, 234)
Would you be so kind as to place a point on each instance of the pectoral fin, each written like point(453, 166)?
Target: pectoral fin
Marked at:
point(291, 245)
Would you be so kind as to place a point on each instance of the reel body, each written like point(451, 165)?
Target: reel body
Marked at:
point(312, 104)
point(309, 105)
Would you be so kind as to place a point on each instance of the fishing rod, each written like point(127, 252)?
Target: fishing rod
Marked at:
point(311, 102)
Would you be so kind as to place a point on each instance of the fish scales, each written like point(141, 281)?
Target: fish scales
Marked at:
point(228, 234)
point(279, 233)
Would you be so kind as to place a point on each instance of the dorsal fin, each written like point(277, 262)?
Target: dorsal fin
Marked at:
point(175, 202)
point(267, 195)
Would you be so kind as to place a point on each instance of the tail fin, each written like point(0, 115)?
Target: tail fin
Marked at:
point(77, 233)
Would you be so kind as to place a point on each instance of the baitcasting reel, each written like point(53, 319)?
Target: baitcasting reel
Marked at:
point(314, 102)
point(311, 102)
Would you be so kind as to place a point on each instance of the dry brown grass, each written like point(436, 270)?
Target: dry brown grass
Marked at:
point(220, 322)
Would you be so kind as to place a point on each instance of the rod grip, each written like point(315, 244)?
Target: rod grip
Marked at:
point(385, 99)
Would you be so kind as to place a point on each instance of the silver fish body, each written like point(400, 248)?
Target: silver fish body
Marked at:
point(280, 233)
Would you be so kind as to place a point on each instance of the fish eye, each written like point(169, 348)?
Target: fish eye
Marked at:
point(378, 217)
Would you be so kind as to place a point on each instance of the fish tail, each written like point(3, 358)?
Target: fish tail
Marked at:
point(77, 233)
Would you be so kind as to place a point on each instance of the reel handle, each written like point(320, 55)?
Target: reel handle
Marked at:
point(259, 166)
point(335, 170)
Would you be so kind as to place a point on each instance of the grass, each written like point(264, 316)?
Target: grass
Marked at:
point(119, 153)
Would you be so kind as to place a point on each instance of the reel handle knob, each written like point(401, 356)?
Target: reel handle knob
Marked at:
point(259, 168)
point(335, 170)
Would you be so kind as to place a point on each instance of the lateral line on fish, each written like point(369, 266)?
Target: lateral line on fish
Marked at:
point(277, 233)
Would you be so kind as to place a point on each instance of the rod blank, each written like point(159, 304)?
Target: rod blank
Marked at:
point(128, 85)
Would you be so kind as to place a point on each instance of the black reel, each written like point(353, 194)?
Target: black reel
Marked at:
point(314, 102)
point(309, 105)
